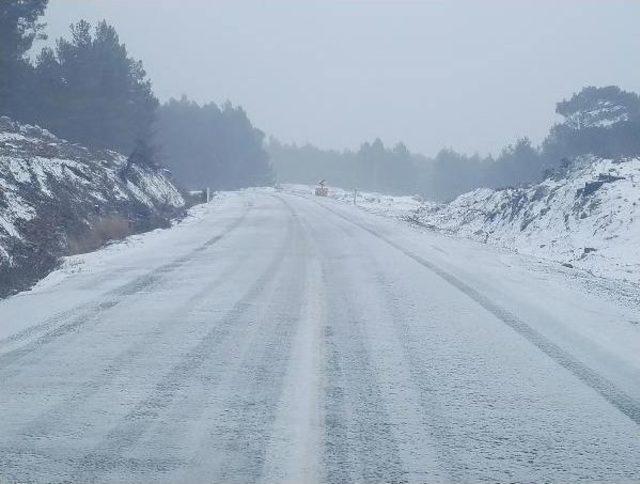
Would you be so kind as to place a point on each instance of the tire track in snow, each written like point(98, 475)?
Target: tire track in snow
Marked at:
point(294, 452)
point(456, 435)
point(295, 444)
point(610, 392)
point(109, 453)
point(359, 443)
point(52, 417)
point(407, 394)
point(246, 416)
point(60, 325)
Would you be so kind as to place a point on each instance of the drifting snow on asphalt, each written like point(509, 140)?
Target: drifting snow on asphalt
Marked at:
point(273, 337)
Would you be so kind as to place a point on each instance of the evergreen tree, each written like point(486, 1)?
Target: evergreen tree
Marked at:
point(518, 164)
point(92, 92)
point(603, 121)
point(19, 27)
point(209, 146)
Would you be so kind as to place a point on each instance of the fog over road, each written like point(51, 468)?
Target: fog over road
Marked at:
point(275, 337)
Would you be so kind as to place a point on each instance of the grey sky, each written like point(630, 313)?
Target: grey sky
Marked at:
point(473, 75)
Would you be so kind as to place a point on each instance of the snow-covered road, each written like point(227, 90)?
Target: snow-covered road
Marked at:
point(273, 337)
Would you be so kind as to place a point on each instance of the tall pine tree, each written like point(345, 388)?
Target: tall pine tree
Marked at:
point(93, 92)
point(19, 27)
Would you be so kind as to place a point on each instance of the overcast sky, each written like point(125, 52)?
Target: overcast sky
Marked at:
point(468, 74)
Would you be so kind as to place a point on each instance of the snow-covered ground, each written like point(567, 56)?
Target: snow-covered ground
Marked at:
point(279, 337)
point(58, 197)
point(588, 219)
point(133, 254)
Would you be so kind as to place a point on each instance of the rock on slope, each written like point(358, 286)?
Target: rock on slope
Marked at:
point(58, 198)
point(588, 217)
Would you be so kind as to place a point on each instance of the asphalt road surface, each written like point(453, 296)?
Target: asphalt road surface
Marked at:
point(279, 338)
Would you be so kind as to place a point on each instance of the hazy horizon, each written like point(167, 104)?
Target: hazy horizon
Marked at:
point(468, 75)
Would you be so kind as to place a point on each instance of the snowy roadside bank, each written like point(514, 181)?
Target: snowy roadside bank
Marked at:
point(58, 198)
point(135, 247)
point(81, 278)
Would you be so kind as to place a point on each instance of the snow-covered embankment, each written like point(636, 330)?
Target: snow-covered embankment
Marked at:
point(587, 218)
point(59, 198)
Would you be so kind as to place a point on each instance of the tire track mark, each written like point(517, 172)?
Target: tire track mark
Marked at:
point(92, 311)
point(44, 424)
point(359, 444)
point(368, 444)
point(422, 403)
point(608, 390)
point(250, 412)
point(108, 455)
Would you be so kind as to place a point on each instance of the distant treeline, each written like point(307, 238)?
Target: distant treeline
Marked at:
point(602, 121)
point(88, 89)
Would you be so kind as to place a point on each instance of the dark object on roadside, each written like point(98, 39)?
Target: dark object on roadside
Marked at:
point(321, 189)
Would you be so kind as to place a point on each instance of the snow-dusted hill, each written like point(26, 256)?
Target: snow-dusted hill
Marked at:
point(58, 198)
point(588, 218)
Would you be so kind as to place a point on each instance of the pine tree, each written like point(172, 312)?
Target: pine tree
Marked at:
point(209, 146)
point(105, 100)
point(19, 27)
